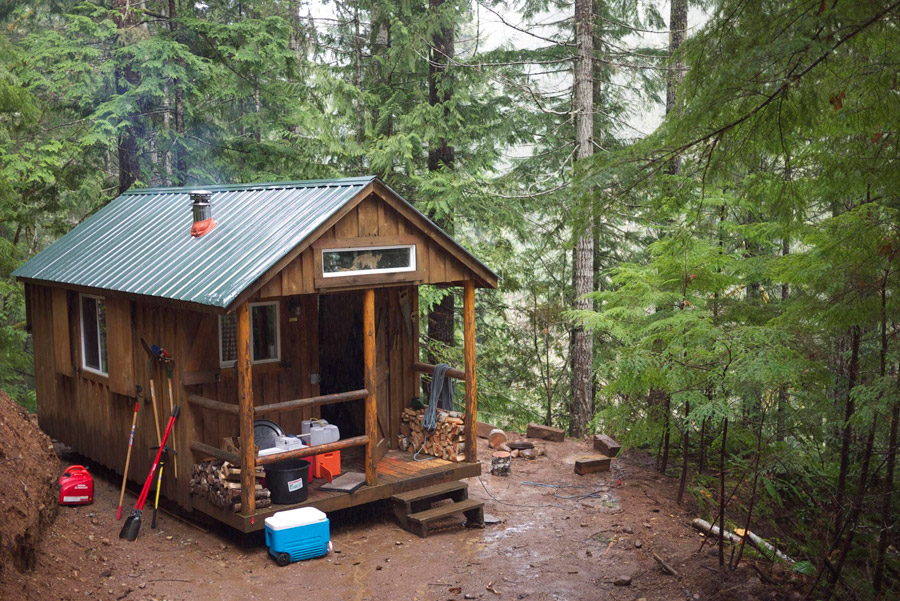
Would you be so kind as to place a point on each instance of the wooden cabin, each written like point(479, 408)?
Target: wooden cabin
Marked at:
point(281, 301)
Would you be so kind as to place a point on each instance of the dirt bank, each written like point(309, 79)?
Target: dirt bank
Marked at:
point(28, 471)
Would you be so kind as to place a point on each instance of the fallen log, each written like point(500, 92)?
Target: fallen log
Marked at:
point(762, 546)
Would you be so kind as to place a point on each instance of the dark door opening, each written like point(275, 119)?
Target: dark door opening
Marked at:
point(341, 358)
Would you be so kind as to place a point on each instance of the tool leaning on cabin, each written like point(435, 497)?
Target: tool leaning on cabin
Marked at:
point(132, 525)
point(127, 459)
point(162, 465)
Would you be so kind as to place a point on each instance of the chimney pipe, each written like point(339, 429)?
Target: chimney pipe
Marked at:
point(202, 209)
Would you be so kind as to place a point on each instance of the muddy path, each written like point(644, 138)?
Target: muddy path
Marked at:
point(560, 537)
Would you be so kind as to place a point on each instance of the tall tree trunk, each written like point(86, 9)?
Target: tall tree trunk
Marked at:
point(441, 155)
point(847, 430)
point(888, 485)
point(678, 13)
point(127, 78)
point(180, 175)
point(856, 508)
point(783, 397)
point(701, 463)
point(583, 256)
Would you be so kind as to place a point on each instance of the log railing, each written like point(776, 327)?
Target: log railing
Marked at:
point(316, 401)
point(427, 368)
point(345, 443)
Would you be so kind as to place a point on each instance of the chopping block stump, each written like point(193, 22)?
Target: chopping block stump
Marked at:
point(415, 513)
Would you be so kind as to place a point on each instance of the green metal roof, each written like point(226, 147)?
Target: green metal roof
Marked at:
point(140, 243)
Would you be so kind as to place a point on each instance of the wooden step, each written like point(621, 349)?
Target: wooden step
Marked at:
point(419, 522)
point(438, 491)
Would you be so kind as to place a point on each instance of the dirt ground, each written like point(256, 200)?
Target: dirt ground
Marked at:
point(546, 547)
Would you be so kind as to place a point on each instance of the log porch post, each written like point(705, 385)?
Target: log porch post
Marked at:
point(471, 390)
point(370, 384)
point(245, 410)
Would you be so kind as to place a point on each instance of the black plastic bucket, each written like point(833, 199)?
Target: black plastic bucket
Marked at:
point(288, 481)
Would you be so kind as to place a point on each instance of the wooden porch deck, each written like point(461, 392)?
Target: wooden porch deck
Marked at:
point(397, 472)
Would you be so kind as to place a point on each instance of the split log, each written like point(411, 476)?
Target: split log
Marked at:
point(763, 547)
point(545, 432)
point(606, 445)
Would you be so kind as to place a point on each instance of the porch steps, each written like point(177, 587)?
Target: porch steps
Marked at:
point(415, 513)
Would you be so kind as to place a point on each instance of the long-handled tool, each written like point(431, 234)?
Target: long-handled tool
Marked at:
point(171, 406)
point(132, 525)
point(127, 459)
point(162, 466)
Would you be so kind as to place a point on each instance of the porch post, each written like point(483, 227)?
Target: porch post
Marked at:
point(370, 384)
point(471, 390)
point(245, 410)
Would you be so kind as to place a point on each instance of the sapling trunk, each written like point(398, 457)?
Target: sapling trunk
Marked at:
point(888, 486)
point(685, 448)
point(759, 431)
point(664, 460)
point(722, 494)
point(847, 430)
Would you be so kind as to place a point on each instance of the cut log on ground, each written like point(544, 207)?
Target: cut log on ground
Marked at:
point(606, 445)
point(545, 433)
point(497, 438)
point(483, 430)
point(501, 463)
point(592, 463)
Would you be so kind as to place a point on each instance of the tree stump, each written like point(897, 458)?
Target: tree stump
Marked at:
point(501, 463)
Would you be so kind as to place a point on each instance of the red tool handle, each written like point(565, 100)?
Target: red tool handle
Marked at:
point(66, 473)
point(144, 491)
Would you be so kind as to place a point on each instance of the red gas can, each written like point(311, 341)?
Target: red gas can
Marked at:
point(76, 486)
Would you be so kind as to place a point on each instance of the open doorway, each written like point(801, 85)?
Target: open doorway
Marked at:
point(341, 358)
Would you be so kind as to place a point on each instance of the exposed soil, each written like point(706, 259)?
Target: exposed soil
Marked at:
point(546, 547)
point(28, 471)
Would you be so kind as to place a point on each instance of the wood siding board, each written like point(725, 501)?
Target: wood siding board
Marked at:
point(120, 346)
point(368, 216)
point(62, 346)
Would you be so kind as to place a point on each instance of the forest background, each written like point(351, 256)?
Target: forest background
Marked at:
point(719, 286)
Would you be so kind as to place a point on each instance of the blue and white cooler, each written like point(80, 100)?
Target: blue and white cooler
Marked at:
point(297, 534)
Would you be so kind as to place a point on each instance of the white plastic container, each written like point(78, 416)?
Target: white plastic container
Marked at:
point(307, 425)
point(288, 443)
point(332, 433)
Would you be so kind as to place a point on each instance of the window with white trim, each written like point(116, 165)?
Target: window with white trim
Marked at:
point(93, 334)
point(265, 335)
point(340, 262)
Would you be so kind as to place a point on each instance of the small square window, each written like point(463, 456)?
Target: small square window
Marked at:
point(265, 343)
point(93, 335)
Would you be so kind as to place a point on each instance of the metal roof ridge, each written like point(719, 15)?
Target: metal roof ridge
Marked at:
point(309, 183)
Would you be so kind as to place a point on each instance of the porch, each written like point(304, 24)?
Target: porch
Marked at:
point(387, 472)
point(396, 472)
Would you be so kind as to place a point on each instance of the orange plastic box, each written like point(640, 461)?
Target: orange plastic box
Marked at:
point(327, 465)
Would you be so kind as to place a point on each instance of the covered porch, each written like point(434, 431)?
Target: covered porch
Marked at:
point(387, 472)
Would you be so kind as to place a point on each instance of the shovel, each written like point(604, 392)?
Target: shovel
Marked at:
point(132, 524)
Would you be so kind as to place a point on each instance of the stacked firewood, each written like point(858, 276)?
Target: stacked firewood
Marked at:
point(220, 483)
point(446, 441)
